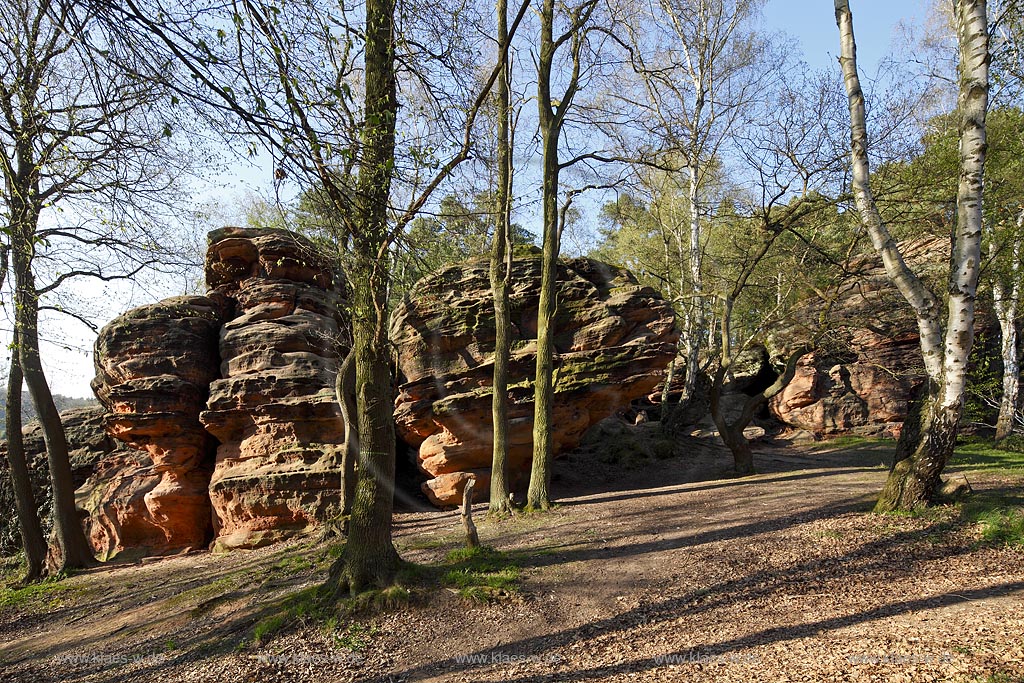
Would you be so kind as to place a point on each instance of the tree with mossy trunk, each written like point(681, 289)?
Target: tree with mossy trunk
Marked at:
point(500, 274)
point(915, 477)
point(552, 112)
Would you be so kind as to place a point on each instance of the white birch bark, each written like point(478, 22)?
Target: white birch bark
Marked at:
point(920, 459)
point(965, 261)
point(1006, 302)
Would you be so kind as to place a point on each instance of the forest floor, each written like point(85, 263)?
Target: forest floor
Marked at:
point(667, 570)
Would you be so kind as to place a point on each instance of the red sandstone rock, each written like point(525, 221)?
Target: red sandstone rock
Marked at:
point(252, 364)
point(273, 410)
point(613, 338)
point(153, 367)
point(861, 382)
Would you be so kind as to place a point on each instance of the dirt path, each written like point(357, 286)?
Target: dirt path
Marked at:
point(666, 572)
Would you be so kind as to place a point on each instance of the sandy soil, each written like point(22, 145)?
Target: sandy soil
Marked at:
point(669, 571)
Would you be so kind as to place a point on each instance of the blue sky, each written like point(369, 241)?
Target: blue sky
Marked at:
point(813, 24)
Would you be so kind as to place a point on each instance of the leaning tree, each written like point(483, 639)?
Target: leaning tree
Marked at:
point(929, 435)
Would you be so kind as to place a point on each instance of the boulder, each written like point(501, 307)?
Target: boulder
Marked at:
point(613, 341)
point(272, 406)
point(154, 365)
point(88, 442)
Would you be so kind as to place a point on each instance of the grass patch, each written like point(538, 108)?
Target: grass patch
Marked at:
point(851, 442)
point(432, 542)
point(828, 533)
point(46, 594)
point(207, 592)
point(377, 600)
point(294, 564)
point(999, 516)
point(305, 605)
point(1003, 527)
point(481, 574)
point(355, 637)
point(973, 453)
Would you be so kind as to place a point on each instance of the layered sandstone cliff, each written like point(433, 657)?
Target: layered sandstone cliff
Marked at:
point(273, 409)
point(224, 404)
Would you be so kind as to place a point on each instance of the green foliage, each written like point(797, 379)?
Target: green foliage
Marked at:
point(1002, 526)
point(44, 594)
point(984, 380)
point(458, 232)
point(1013, 444)
point(651, 238)
point(631, 236)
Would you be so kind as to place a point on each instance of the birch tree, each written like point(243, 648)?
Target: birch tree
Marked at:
point(928, 438)
point(699, 67)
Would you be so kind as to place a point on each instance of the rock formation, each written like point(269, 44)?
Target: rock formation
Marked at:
point(613, 340)
point(225, 403)
point(153, 366)
point(861, 379)
point(88, 443)
point(273, 410)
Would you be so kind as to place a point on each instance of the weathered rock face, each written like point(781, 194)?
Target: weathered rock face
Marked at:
point(862, 379)
point(273, 409)
point(613, 341)
point(225, 404)
point(88, 443)
point(153, 367)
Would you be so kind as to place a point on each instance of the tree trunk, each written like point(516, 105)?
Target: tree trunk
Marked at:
point(370, 558)
point(732, 433)
point(1006, 300)
point(914, 479)
point(32, 538)
point(501, 267)
point(538, 496)
point(466, 513)
point(345, 394)
point(72, 551)
point(696, 324)
point(926, 442)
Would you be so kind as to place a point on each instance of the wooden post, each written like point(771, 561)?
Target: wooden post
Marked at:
point(472, 539)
